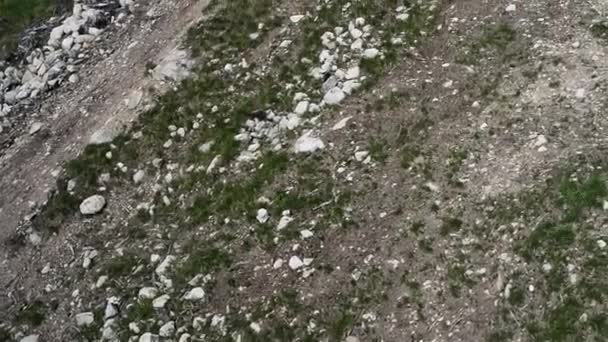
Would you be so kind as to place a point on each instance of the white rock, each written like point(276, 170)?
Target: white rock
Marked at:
point(284, 222)
point(341, 124)
point(262, 215)
point(580, 93)
point(277, 264)
point(67, 43)
point(92, 205)
point(195, 294)
point(138, 176)
point(149, 337)
point(305, 234)
point(167, 330)
point(160, 302)
point(84, 319)
point(147, 292)
point(352, 73)
point(308, 144)
point(103, 136)
point(164, 266)
point(111, 308)
point(361, 155)
point(185, 337)
point(601, 244)
point(35, 127)
point(30, 338)
point(296, 18)
point(255, 327)
point(301, 107)
point(371, 53)
point(334, 96)
point(295, 263)
point(511, 8)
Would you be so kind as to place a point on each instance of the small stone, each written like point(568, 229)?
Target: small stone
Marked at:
point(301, 107)
point(277, 264)
point(296, 18)
point(149, 337)
point(601, 244)
point(352, 339)
point(371, 53)
point(84, 319)
point(284, 222)
point(305, 234)
point(73, 78)
point(255, 327)
point(334, 96)
point(511, 8)
point(195, 294)
point(361, 155)
point(580, 93)
point(111, 308)
point(92, 205)
point(30, 338)
point(167, 330)
point(352, 73)
point(308, 144)
point(262, 215)
point(147, 292)
point(160, 302)
point(295, 263)
point(341, 124)
point(138, 176)
point(36, 126)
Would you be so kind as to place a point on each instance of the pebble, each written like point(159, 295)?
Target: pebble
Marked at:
point(84, 319)
point(308, 144)
point(262, 215)
point(295, 263)
point(334, 96)
point(167, 330)
point(92, 205)
point(160, 302)
point(195, 294)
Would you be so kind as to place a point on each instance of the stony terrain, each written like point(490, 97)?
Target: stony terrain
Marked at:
point(316, 170)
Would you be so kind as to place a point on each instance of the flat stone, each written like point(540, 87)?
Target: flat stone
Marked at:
point(295, 263)
point(92, 205)
point(308, 144)
point(84, 319)
point(334, 96)
point(160, 302)
point(195, 294)
point(147, 292)
point(103, 136)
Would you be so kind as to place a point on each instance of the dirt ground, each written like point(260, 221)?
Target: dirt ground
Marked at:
point(462, 197)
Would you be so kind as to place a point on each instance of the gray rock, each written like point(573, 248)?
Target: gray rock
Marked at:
point(30, 338)
point(84, 319)
point(148, 337)
point(167, 330)
point(92, 205)
point(147, 292)
point(334, 96)
point(103, 136)
point(35, 127)
point(308, 144)
point(195, 294)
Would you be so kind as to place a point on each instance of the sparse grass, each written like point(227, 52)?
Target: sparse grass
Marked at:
point(16, 15)
point(32, 314)
point(450, 225)
point(121, 265)
point(577, 196)
point(378, 149)
point(203, 258)
point(599, 29)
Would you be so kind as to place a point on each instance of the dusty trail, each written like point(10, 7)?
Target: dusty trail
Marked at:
point(74, 113)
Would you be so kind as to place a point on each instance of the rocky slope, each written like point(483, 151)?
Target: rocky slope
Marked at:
point(333, 170)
